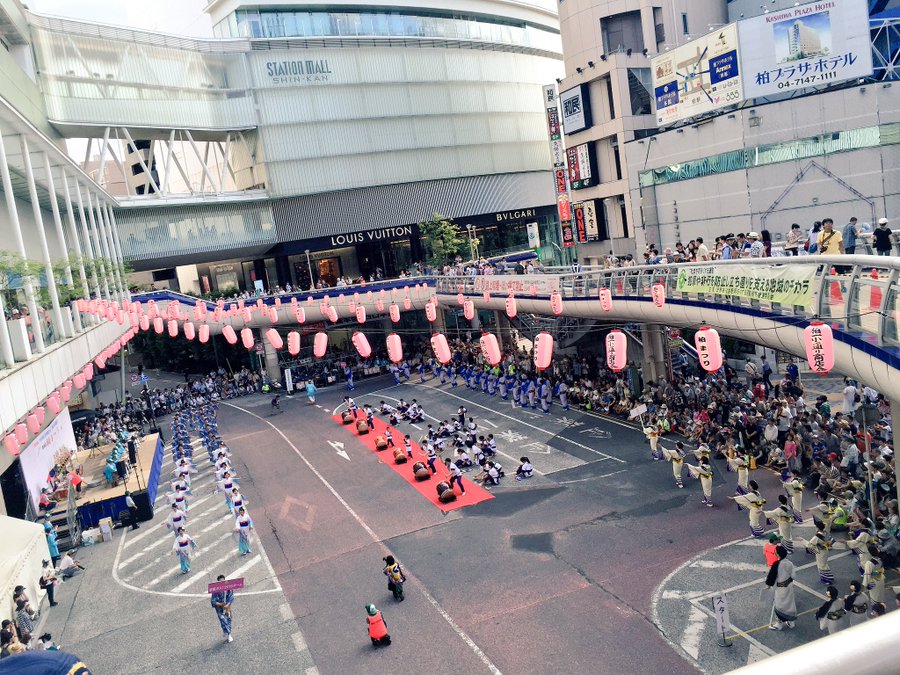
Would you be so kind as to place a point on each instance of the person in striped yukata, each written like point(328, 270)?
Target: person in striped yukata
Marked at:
point(221, 602)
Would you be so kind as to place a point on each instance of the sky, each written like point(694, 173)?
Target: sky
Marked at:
point(179, 17)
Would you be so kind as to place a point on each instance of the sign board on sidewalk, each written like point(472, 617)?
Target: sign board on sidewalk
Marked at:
point(227, 585)
point(288, 380)
point(720, 608)
point(637, 411)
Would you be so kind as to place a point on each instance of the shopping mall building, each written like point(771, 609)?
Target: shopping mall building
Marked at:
point(306, 141)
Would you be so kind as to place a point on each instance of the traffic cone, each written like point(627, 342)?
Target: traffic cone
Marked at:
point(874, 292)
point(835, 295)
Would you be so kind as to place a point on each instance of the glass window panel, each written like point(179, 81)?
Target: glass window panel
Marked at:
point(290, 23)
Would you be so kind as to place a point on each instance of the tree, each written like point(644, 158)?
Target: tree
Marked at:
point(443, 239)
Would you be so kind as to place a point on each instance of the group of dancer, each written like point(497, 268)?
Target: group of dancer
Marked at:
point(202, 420)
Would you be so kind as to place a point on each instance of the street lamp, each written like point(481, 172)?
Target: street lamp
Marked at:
point(309, 267)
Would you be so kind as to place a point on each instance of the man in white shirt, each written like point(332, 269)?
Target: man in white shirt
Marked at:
point(68, 566)
point(849, 393)
point(702, 251)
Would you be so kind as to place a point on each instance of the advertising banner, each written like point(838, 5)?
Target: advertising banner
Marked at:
point(534, 235)
point(786, 285)
point(698, 77)
point(39, 457)
point(591, 226)
point(565, 208)
point(520, 284)
point(576, 109)
point(803, 46)
point(580, 160)
point(578, 220)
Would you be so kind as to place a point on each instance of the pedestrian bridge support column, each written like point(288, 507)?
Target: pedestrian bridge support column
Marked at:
point(654, 353)
point(273, 370)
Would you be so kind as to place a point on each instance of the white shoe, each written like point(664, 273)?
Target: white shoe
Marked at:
point(775, 626)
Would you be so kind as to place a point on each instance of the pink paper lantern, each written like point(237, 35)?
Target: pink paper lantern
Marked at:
point(274, 338)
point(158, 325)
point(101, 364)
point(658, 293)
point(709, 348)
point(230, 336)
point(490, 348)
point(394, 311)
point(407, 303)
point(460, 299)
point(247, 315)
point(300, 314)
point(430, 312)
point(203, 333)
point(332, 314)
point(616, 350)
point(819, 341)
point(53, 403)
point(277, 302)
point(273, 315)
point(394, 348)
point(511, 306)
point(361, 342)
point(379, 305)
point(320, 344)
point(469, 310)
point(79, 381)
point(441, 348)
point(293, 343)
point(360, 314)
point(173, 328)
point(88, 371)
point(21, 433)
point(189, 331)
point(12, 445)
point(533, 289)
point(40, 413)
point(556, 303)
point(247, 338)
point(606, 303)
point(134, 319)
point(543, 350)
point(33, 425)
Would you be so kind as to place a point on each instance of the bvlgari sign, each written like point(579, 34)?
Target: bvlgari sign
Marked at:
point(307, 71)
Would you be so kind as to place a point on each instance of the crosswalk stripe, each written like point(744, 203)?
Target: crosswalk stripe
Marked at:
point(150, 547)
point(138, 571)
point(201, 574)
point(149, 530)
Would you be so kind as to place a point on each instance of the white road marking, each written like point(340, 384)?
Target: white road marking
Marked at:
point(147, 532)
point(375, 538)
point(809, 590)
point(726, 564)
point(299, 641)
point(755, 654)
point(487, 421)
point(287, 613)
point(199, 575)
point(156, 560)
point(681, 595)
point(312, 670)
point(543, 431)
point(690, 641)
point(582, 480)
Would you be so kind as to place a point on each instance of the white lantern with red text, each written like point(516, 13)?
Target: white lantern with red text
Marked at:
point(12, 445)
point(332, 314)
point(511, 308)
point(441, 348)
point(394, 311)
point(543, 350)
point(273, 315)
point(274, 338)
point(606, 300)
point(361, 342)
point(379, 305)
point(394, 348)
point(460, 299)
point(658, 293)
point(293, 343)
point(490, 348)
point(469, 310)
point(320, 344)
point(709, 349)
point(407, 303)
point(616, 350)
point(247, 338)
point(360, 314)
point(487, 296)
point(204, 333)
point(556, 303)
point(819, 341)
point(430, 312)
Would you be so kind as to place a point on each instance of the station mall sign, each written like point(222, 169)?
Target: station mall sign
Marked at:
point(298, 71)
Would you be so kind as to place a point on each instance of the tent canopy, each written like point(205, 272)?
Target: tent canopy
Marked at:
point(23, 551)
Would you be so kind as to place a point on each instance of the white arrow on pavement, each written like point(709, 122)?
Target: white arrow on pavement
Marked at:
point(337, 445)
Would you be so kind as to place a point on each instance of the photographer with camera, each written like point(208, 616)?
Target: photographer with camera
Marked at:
point(830, 241)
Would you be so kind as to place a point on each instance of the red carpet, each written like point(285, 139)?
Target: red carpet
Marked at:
point(474, 493)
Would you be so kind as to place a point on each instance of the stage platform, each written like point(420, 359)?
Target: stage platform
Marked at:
point(98, 501)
